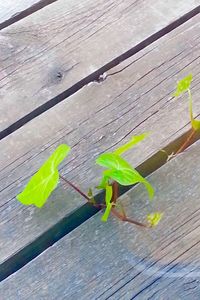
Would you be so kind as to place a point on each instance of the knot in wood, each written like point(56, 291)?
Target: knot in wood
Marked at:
point(59, 75)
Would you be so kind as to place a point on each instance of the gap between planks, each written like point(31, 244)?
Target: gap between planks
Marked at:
point(96, 75)
point(152, 78)
point(20, 10)
point(120, 261)
point(83, 213)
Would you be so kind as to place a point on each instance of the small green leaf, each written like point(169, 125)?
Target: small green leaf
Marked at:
point(154, 218)
point(109, 193)
point(135, 140)
point(195, 123)
point(183, 85)
point(42, 183)
point(121, 171)
point(103, 183)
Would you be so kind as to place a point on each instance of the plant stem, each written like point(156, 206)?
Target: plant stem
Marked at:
point(187, 142)
point(115, 187)
point(75, 188)
point(122, 216)
point(125, 219)
point(97, 205)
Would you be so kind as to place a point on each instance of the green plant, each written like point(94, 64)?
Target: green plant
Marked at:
point(118, 171)
point(42, 184)
point(183, 86)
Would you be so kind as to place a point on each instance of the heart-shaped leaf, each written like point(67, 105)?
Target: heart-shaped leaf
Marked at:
point(120, 171)
point(183, 85)
point(42, 184)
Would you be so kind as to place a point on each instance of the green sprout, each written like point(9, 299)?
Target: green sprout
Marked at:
point(120, 172)
point(154, 218)
point(183, 86)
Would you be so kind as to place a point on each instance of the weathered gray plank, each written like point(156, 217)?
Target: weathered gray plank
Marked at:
point(97, 118)
point(49, 51)
point(116, 260)
point(12, 11)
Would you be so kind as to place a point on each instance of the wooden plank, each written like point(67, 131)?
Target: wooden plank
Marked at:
point(11, 12)
point(98, 118)
point(49, 51)
point(116, 260)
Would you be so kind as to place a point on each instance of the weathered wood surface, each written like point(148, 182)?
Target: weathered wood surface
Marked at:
point(52, 49)
point(98, 118)
point(12, 11)
point(116, 260)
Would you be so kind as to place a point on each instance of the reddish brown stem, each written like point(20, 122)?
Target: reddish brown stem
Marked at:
point(122, 216)
point(115, 187)
point(187, 142)
point(125, 219)
point(81, 193)
point(75, 188)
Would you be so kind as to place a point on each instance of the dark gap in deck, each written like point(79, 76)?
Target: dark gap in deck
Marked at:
point(25, 13)
point(83, 213)
point(95, 75)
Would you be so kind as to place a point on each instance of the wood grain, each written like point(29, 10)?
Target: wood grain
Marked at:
point(98, 118)
point(11, 12)
point(49, 51)
point(117, 260)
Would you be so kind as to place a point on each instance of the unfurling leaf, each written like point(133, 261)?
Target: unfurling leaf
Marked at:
point(109, 193)
point(42, 184)
point(183, 85)
point(154, 218)
point(134, 140)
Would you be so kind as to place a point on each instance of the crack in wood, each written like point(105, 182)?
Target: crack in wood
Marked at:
point(95, 75)
point(25, 13)
point(80, 215)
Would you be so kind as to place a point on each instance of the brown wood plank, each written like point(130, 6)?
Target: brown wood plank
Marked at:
point(116, 260)
point(49, 51)
point(13, 11)
point(98, 118)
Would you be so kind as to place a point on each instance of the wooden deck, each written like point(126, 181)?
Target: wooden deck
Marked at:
point(53, 55)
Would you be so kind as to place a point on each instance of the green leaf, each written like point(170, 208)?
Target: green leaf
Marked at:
point(135, 140)
point(183, 85)
point(42, 184)
point(112, 161)
point(121, 171)
point(195, 123)
point(154, 218)
point(129, 177)
point(109, 193)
